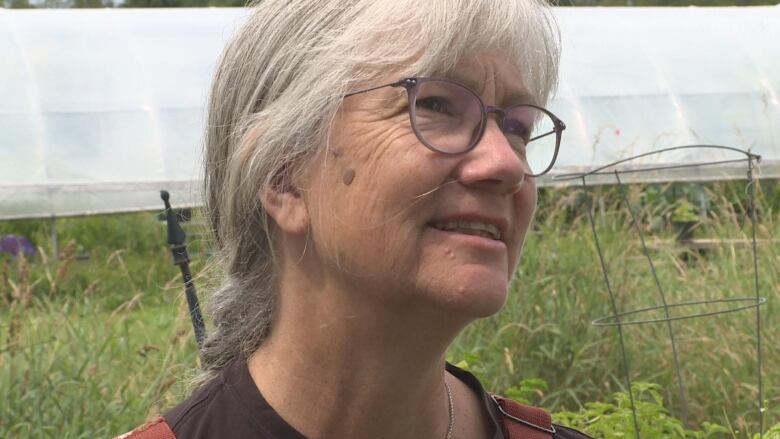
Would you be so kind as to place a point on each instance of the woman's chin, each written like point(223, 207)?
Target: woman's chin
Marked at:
point(487, 303)
point(476, 297)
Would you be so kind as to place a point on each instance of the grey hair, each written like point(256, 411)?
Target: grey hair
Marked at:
point(278, 86)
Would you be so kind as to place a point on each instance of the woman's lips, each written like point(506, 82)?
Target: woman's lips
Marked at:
point(479, 239)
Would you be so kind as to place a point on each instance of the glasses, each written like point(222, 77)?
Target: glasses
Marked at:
point(450, 118)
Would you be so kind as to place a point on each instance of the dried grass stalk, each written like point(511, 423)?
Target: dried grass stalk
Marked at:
point(67, 256)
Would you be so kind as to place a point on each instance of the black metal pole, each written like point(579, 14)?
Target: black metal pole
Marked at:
point(177, 242)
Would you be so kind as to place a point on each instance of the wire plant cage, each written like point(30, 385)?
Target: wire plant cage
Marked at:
point(665, 312)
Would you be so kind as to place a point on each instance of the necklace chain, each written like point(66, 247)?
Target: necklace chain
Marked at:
point(450, 410)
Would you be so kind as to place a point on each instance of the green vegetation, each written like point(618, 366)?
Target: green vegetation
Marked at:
point(611, 419)
point(91, 343)
point(98, 340)
point(545, 331)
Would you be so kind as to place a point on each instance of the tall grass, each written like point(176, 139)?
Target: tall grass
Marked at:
point(96, 341)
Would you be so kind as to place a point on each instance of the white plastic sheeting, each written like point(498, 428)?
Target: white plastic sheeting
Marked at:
point(635, 80)
point(100, 109)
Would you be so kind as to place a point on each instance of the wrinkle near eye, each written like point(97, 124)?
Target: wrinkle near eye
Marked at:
point(384, 135)
point(380, 107)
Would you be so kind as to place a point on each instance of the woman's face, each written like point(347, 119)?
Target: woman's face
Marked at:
point(378, 201)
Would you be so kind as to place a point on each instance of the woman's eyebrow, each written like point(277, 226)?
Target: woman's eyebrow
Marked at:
point(520, 97)
point(514, 97)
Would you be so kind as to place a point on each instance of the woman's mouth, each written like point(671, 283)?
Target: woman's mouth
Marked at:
point(470, 228)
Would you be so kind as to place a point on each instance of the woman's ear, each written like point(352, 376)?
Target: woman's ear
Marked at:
point(286, 206)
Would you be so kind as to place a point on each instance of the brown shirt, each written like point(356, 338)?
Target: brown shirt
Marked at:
point(231, 406)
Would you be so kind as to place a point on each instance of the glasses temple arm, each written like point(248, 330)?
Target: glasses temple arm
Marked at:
point(392, 84)
point(541, 135)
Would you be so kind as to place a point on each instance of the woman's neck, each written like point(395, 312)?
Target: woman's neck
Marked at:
point(335, 367)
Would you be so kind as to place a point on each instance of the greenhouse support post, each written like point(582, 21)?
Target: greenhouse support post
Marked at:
point(55, 246)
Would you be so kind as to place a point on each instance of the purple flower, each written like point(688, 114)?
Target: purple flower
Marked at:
point(13, 244)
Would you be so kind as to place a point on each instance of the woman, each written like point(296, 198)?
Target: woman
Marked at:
point(370, 170)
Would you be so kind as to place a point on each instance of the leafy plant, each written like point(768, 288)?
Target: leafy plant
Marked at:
point(772, 433)
point(614, 418)
point(684, 211)
point(528, 390)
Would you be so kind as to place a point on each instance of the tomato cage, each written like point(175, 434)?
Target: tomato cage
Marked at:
point(665, 312)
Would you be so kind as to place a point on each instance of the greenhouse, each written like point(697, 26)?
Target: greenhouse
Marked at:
point(101, 109)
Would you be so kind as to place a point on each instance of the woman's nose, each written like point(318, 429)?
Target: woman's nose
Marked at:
point(493, 164)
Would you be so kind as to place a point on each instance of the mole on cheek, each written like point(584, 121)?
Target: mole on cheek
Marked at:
point(349, 175)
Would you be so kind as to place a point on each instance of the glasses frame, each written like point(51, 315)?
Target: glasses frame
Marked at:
point(412, 86)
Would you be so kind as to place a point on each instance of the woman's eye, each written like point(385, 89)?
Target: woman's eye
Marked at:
point(435, 104)
point(517, 128)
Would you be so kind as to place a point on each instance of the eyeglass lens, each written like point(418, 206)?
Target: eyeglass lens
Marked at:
point(448, 118)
